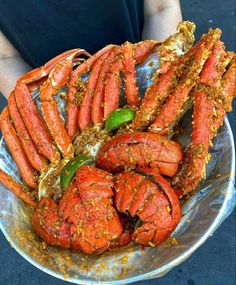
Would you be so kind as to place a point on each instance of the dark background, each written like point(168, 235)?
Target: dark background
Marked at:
point(214, 262)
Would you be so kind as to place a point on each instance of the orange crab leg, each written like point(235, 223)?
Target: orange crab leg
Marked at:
point(84, 117)
point(143, 49)
point(98, 99)
point(40, 72)
point(203, 118)
point(164, 83)
point(36, 159)
point(88, 64)
point(113, 80)
point(159, 91)
point(172, 109)
point(152, 100)
point(228, 92)
point(28, 109)
point(112, 88)
point(201, 132)
point(72, 109)
point(56, 80)
point(36, 84)
point(131, 89)
point(26, 170)
point(34, 123)
point(229, 84)
point(16, 188)
point(193, 170)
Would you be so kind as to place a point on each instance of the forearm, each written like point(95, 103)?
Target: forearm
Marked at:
point(161, 19)
point(11, 69)
point(12, 66)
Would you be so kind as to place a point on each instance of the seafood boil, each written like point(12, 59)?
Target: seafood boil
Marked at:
point(114, 173)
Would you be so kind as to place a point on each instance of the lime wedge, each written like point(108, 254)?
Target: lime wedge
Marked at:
point(69, 170)
point(118, 118)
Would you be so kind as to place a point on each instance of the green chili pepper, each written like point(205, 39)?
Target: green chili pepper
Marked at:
point(118, 118)
point(69, 170)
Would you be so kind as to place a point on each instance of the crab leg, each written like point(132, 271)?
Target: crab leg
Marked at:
point(193, 170)
point(143, 49)
point(131, 89)
point(224, 102)
point(98, 98)
point(113, 80)
point(72, 108)
point(36, 159)
point(112, 88)
point(40, 72)
point(26, 170)
point(29, 111)
point(57, 79)
point(16, 188)
point(157, 94)
point(166, 80)
point(172, 109)
point(34, 123)
point(229, 84)
point(35, 85)
point(153, 98)
point(166, 76)
point(84, 116)
point(174, 46)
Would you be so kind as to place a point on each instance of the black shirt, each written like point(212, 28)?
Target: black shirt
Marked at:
point(41, 29)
